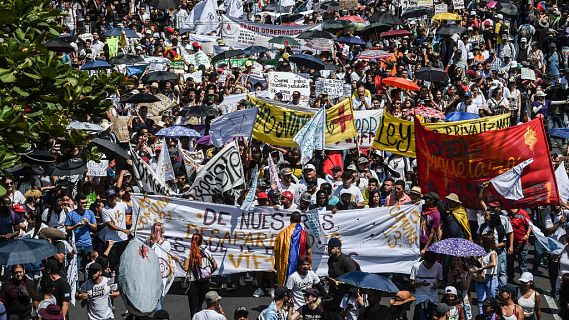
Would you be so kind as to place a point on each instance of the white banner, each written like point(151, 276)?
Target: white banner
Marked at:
point(379, 239)
point(287, 83)
point(367, 122)
point(99, 169)
point(333, 87)
point(230, 102)
point(457, 4)
point(311, 136)
point(222, 173)
point(203, 18)
point(164, 169)
point(147, 178)
point(235, 124)
point(562, 182)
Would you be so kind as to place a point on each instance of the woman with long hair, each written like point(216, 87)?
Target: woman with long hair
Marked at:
point(199, 266)
point(487, 279)
point(374, 199)
point(510, 309)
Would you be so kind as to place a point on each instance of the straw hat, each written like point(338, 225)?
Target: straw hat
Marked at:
point(105, 124)
point(454, 198)
point(402, 297)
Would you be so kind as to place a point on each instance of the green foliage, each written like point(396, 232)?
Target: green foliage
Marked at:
point(39, 94)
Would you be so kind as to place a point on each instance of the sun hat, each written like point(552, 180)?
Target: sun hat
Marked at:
point(454, 198)
point(402, 297)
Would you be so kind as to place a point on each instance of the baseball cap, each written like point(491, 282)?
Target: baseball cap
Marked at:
point(211, 297)
point(306, 196)
point(287, 194)
point(509, 289)
point(110, 193)
point(526, 277)
point(312, 291)
point(262, 195)
point(451, 290)
point(309, 166)
point(280, 293)
point(334, 243)
point(240, 311)
point(363, 160)
point(286, 171)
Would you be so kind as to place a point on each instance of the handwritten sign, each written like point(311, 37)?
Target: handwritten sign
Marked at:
point(97, 169)
point(458, 4)
point(380, 239)
point(441, 8)
point(398, 136)
point(333, 87)
point(287, 83)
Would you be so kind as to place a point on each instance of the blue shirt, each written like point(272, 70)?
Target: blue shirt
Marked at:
point(7, 223)
point(552, 64)
point(82, 234)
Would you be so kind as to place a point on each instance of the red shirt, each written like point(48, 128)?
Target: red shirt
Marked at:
point(520, 225)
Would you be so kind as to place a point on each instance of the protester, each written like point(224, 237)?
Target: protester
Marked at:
point(510, 309)
point(485, 271)
point(213, 310)
point(529, 299)
point(98, 293)
point(425, 277)
point(199, 266)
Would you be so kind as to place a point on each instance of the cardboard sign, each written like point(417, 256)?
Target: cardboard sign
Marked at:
point(458, 4)
point(441, 8)
point(97, 169)
point(287, 83)
point(334, 88)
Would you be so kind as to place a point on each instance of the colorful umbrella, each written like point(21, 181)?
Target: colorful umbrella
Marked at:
point(395, 33)
point(352, 19)
point(426, 112)
point(401, 83)
point(373, 55)
point(492, 4)
point(287, 41)
point(367, 280)
point(457, 247)
point(447, 16)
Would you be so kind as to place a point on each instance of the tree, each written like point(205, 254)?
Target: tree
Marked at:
point(39, 94)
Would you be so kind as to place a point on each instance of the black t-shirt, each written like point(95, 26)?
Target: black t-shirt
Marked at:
point(451, 227)
point(61, 291)
point(308, 314)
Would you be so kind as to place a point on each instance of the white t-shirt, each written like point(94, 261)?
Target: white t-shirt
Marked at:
point(297, 283)
point(208, 315)
point(354, 190)
point(353, 313)
point(57, 219)
point(118, 216)
point(99, 305)
point(549, 224)
point(420, 274)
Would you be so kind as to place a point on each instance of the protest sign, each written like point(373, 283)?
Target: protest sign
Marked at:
point(235, 124)
point(527, 74)
point(198, 59)
point(222, 173)
point(458, 4)
point(248, 202)
point(424, 3)
point(197, 76)
point(366, 122)
point(147, 179)
point(97, 169)
point(287, 83)
point(380, 239)
point(441, 8)
point(120, 128)
point(278, 124)
point(398, 136)
point(240, 33)
point(460, 164)
point(333, 87)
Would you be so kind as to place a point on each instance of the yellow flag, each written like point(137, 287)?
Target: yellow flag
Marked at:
point(398, 136)
point(277, 125)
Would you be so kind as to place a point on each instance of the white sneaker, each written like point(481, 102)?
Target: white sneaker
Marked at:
point(259, 292)
point(242, 281)
point(272, 293)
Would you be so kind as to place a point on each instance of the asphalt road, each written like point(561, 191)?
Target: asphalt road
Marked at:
point(176, 302)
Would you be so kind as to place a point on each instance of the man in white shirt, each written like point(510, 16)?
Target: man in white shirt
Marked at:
point(114, 216)
point(426, 277)
point(308, 175)
point(347, 184)
point(214, 310)
point(98, 293)
point(303, 278)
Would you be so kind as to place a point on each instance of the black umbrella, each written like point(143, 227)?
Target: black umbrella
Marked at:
point(386, 18)
point(126, 59)
point(431, 74)
point(141, 98)
point(449, 30)
point(107, 146)
point(23, 170)
point(416, 12)
point(200, 112)
point(307, 61)
point(163, 4)
point(254, 50)
point(507, 8)
point(58, 45)
point(40, 155)
point(69, 168)
point(329, 6)
point(376, 27)
point(161, 76)
point(311, 34)
point(228, 54)
point(290, 17)
point(335, 24)
point(22, 251)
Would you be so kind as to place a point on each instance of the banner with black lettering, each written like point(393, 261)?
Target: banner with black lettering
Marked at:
point(382, 239)
point(147, 179)
point(222, 173)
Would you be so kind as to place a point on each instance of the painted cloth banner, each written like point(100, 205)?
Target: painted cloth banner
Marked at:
point(222, 173)
point(278, 124)
point(367, 122)
point(192, 160)
point(236, 124)
point(168, 266)
point(248, 203)
point(398, 136)
point(230, 102)
point(460, 164)
point(311, 136)
point(274, 175)
point(379, 239)
point(164, 169)
point(333, 87)
point(147, 179)
point(286, 83)
point(562, 182)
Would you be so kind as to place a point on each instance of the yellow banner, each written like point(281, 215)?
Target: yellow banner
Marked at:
point(278, 125)
point(398, 136)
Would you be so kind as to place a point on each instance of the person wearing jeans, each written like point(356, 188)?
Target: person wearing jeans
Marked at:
point(487, 280)
point(522, 230)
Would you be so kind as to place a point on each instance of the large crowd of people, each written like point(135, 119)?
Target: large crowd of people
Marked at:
point(502, 62)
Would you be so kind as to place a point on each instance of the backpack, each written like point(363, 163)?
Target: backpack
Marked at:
point(500, 229)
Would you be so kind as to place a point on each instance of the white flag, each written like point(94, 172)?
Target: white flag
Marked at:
point(203, 18)
point(164, 169)
point(233, 8)
point(274, 175)
point(222, 173)
point(250, 198)
point(311, 136)
point(562, 182)
point(509, 183)
point(551, 245)
point(235, 124)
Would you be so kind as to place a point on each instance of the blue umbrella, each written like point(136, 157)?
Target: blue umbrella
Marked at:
point(367, 280)
point(23, 251)
point(178, 131)
point(351, 40)
point(459, 116)
point(307, 61)
point(116, 32)
point(95, 65)
point(559, 133)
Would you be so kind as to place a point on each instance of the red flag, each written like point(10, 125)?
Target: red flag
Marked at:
point(460, 164)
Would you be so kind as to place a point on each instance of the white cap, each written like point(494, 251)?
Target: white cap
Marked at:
point(451, 290)
point(526, 277)
point(500, 16)
point(309, 166)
